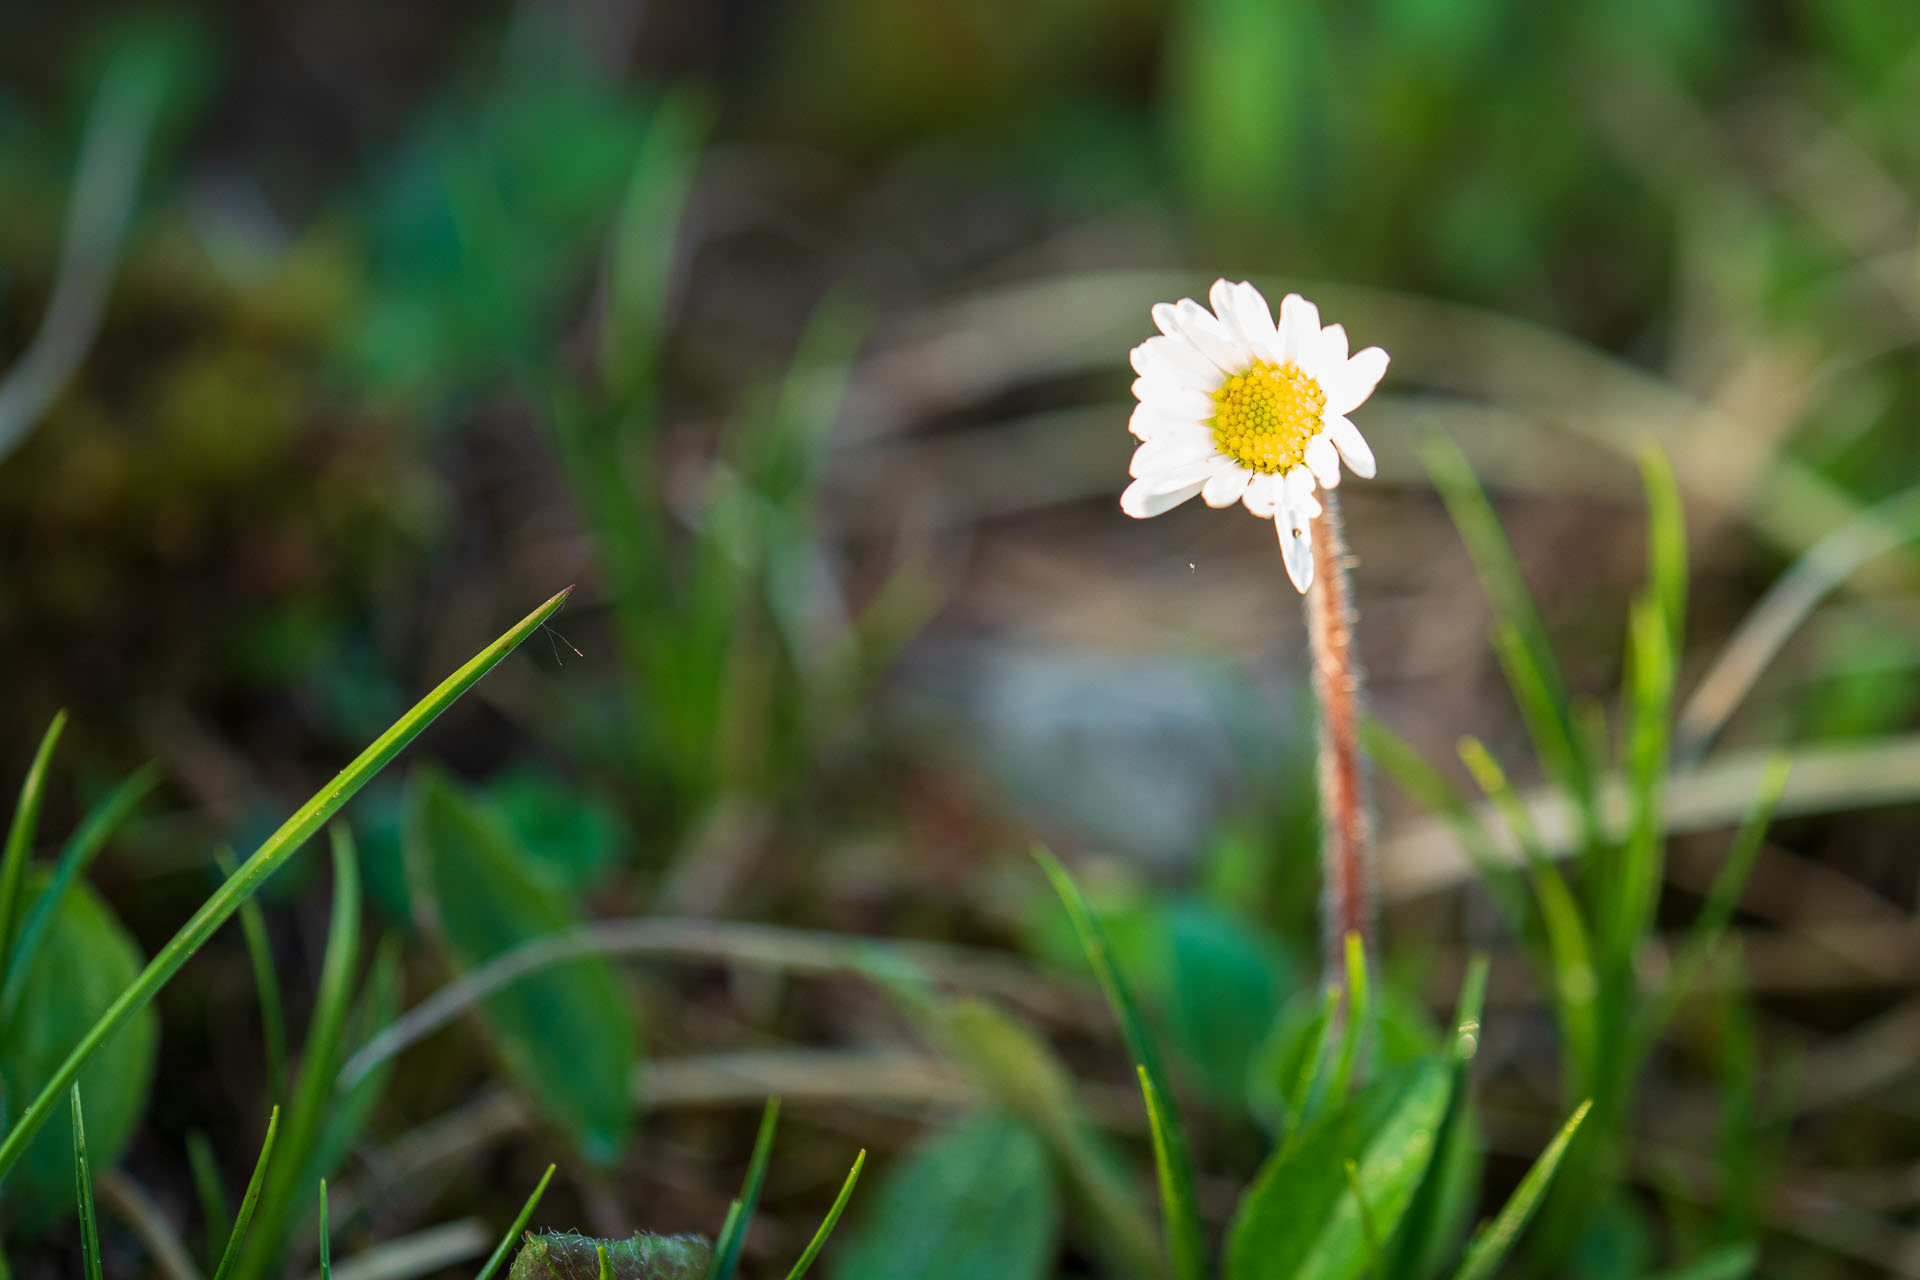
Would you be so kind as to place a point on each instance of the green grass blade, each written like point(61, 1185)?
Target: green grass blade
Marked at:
point(827, 1224)
point(206, 1185)
point(1307, 1083)
point(1355, 1030)
point(1182, 1215)
point(1722, 897)
point(733, 1233)
point(606, 1263)
point(326, 1236)
point(319, 1061)
point(1666, 541)
point(500, 1251)
point(1632, 890)
point(1422, 1219)
point(95, 830)
point(264, 861)
point(266, 981)
point(83, 1189)
point(20, 833)
point(1376, 1252)
point(1493, 1241)
point(249, 1200)
point(1520, 637)
point(1190, 1263)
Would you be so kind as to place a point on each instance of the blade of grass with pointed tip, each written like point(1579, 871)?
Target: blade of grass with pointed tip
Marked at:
point(249, 1200)
point(266, 982)
point(1492, 1242)
point(263, 862)
point(1190, 1263)
point(83, 1189)
point(1413, 1238)
point(1306, 1085)
point(326, 1236)
point(827, 1224)
point(319, 1061)
point(20, 833)
point(499, 1254)
point(733, 1232)
point(1182, 1215)
point(94, 831)
point(206, 1185)
point(1520, 637)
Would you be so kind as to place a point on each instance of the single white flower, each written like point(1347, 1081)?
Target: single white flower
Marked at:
point(1236, 409)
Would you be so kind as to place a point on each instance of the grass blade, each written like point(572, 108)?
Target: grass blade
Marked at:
point(20, 833)
point(1307, 1083)
point(266, 981)
point(1182, 1215)
point(1375, 1250)
point(1355, 1029)
point(206, 1185)
point(733, 1232)
point(83, 1189)
point(326, 1236)
point(1184, 1240)
point(249, 1200)
point(1414, 1236)
point(95, 830)
point(500, 1251)
point(263, 862)
point(832, 1219)
point(319, 1060)
point(606, 1263)
point(1493, 1241)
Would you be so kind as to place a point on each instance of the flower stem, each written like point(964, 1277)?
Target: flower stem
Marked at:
point(1346, 848)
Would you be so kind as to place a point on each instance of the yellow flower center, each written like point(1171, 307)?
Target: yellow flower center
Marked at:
point(1265, 416)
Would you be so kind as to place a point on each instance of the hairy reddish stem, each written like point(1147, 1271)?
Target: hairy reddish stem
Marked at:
point(1346, 848)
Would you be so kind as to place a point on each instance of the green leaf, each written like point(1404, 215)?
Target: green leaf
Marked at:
point(206, 1185)
point(1185, 1245)
point(20, 833)
point(566, 1034)
point(266, 981)
point(1354, 1028)
point(733, 1235)
point(499, 1253)
point(1224, 992)
point(1492, 1242)
point(828, 1223)
point(83, 1188)
point(1299, 1220)
point(1450, 1188)
point(976, 1204)
point(326, 1236)
point(1730, 1262)
point(244, 1218)
point(84, 961)
point(642, 1257)
point(134, 997)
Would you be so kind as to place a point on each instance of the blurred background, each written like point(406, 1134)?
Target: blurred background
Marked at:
point(335, 337)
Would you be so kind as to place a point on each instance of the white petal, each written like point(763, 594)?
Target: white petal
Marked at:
point(1141, 503)
point(1173, 399)
point(1329, 352)
point(1157, 355)
point(1226, 487)
point(1296, 549)
point(1203, 329)
point(1266, 494)
point(1324, 461)
point(1199, 471)
point(1352, 445)
point(1299, 328)
point(1299, 497)
point(1255, 321)
point(1163, 453)
point(1149, 423)
point(1348, 388)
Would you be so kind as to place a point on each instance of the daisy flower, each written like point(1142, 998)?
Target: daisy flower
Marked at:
point(1237, 409)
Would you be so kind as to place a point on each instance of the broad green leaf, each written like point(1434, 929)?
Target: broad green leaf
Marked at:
point(573, 837)
point(566, 1034)
point(83, 963)
point(133, 997)
point(1492, 1242)
point(1224, 993)
point(1299, 1220)
point(975, 1204)
point(1731, 1262)
point(558, 1256)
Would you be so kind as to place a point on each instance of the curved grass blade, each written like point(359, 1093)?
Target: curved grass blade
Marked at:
point(733, 1232)
point(20, 833)
point(1492, 1242)
point(832, 1219)
point(1183, 1216)
point(1355, 1029)
point(95, 830)
point(1306, 1085)
point(266, 981)
point(244, 1218)
point(263, 862)
point(499, 1254)
point(83, 1189)
point(319, 1059)
point(1415, 1234)
point(1184, 1239)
